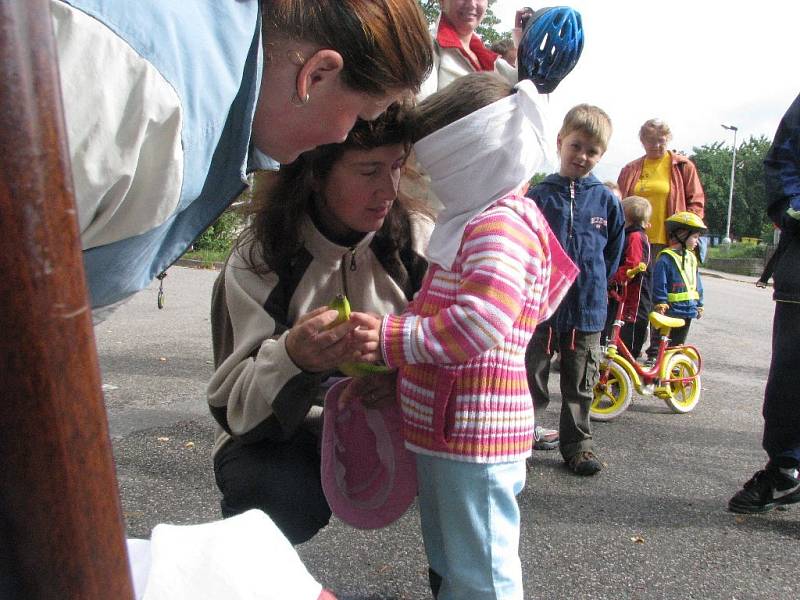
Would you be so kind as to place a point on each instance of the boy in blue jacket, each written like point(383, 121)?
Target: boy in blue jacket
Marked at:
point(677, 288)
point(588, 221)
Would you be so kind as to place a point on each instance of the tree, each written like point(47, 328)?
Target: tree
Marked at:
point(748, 214)
point(537, 178)
point(486, 30)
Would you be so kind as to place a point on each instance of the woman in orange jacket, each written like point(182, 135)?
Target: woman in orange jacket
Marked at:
point(669, 181)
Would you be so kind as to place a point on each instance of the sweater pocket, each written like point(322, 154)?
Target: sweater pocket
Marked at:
point(444, 408)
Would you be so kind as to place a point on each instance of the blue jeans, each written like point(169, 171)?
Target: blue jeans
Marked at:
point(470, 525)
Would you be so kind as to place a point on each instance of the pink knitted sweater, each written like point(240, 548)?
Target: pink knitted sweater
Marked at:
point(460, 344)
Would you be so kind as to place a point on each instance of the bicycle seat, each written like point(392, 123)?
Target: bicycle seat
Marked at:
point(664, 323)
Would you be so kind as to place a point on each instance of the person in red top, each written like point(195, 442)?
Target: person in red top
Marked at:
point(458, 50)
point(637, 250)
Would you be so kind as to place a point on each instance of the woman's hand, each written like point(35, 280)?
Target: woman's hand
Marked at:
point(373, 391)
point(315, 348)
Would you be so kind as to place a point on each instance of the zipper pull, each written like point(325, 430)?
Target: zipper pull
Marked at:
point(353, 259)
point(571, 209)
point(160, 297)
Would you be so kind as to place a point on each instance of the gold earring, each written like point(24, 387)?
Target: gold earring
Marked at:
point(298, 101)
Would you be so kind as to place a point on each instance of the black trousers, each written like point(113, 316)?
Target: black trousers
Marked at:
point(781, 397)
point(282, 478)
point(632, 334)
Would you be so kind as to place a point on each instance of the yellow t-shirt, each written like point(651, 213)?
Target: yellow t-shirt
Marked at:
point(653, 184)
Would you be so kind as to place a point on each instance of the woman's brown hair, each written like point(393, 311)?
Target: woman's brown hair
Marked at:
point(385, 44)
point(279, 212)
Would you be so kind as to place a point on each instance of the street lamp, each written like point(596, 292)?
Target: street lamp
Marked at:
point(734, 129)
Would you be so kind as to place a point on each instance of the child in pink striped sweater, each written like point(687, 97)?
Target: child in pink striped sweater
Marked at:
point(495, 272)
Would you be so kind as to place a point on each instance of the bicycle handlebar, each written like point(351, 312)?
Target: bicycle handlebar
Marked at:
point(640, 268)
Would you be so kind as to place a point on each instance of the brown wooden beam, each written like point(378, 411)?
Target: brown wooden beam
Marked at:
point(61, 529)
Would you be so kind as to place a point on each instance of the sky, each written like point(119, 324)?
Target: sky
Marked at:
point(695, 65)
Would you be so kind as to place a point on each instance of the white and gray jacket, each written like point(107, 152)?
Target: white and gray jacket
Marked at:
point(257, 392)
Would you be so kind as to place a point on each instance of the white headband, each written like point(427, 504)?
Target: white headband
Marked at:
point(479, 159)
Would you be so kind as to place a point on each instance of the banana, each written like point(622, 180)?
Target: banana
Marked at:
point(341, 305)
point(352, 369)
point(359, 369)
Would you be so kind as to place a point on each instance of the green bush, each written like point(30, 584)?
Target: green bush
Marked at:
point(219, 237)
point(737, 250)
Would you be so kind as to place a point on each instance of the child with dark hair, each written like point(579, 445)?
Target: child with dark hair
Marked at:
point(331, 224)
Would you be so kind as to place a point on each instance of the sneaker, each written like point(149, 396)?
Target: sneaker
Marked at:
point(584, 463)
point(767, 489)
point(649, 362)
point(544, 439)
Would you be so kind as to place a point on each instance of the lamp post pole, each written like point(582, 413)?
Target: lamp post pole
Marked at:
point(727, 238)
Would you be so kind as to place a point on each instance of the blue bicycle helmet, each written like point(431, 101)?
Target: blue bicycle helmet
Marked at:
point(551, 44)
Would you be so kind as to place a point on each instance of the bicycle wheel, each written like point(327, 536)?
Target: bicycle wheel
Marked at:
point(612, 394)
point(684, 395)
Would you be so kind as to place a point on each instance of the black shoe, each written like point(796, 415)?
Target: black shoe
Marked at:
point(768, 489)
point(584, 463)
point(435, 581)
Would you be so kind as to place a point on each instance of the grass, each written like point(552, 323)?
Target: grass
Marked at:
point(736, 250)
point(207, 257)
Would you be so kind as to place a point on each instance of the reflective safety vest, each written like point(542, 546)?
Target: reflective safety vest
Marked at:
point(687, 267)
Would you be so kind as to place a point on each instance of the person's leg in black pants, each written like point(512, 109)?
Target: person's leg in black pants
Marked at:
point(634, 335)
point(646, 304)
point(611, 314)
point(779, 482)
point(282, 478)
point(678, 335)
point(781, 400)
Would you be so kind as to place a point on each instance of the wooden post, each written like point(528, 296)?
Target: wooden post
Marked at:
point(61, 529)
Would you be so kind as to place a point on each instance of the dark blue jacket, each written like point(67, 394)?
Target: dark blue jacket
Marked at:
point(587, 219)
point(782, 175)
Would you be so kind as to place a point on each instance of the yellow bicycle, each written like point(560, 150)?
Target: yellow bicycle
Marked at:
point(675, 376)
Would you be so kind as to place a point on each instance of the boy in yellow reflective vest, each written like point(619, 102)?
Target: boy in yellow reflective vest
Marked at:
point(677, 289)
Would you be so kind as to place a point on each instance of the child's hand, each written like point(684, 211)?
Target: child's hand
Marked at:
point(633, 272)
point(366, 337)
point(661, 308)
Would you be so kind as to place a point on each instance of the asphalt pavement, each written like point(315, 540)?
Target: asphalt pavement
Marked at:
point(652, 525)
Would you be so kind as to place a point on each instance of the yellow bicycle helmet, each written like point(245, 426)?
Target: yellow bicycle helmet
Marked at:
point(685, 220)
